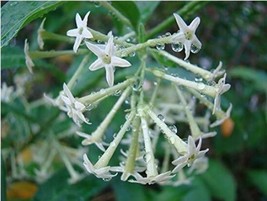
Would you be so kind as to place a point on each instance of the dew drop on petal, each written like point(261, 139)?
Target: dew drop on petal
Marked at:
point(160, 46)
point(201, 86)
point(117, 93)
point(167, 34)
point(194, 49)
point(173, 128)
point(161, 117)
point(177, 47)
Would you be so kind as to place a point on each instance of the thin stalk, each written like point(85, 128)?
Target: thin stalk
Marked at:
point(77, 73)
point(53, 53)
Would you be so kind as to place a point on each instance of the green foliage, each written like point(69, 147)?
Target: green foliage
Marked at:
point(259, 179)
point(13, 21)
point(220, 181)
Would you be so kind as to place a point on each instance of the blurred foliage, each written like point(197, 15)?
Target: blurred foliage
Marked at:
point(234, 33)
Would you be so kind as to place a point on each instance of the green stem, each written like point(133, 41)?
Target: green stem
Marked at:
point(77, 73)
point(53, 36)
point(53, 53)
point(91, 98)
point(114, 11)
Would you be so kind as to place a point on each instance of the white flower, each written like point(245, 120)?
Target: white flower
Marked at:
point(187, 35)
point(193, 153)
point(160, 178)
point(74, 108)
point(6, 92)
point(28, 60)
point(221, 88)
point(106, 58)
point(81, 32)
point(103, 172)
point(220, 121)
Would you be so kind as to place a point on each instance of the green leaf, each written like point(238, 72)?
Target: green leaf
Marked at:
point(128, 191)
point(15, 15)
point(220, 181)
point(257, 77)
point(12, 57)
point(146, 8)
point(259, 179)
point(57, 188)
point(198, 191)
point(129, 10)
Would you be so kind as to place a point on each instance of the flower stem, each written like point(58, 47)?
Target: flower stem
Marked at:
point(77, 73)
point(178, 143)
point(53, 53)
point(130, 162)
point(188, 66)
point(192, 123)
point(206, 89)
point(150, 159)
point(105, 158)
point(91, 98)
point(114, 11)
point(99, 132)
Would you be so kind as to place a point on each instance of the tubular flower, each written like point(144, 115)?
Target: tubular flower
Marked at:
point(74, 108)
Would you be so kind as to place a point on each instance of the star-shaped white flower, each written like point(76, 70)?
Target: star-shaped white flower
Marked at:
point(221, 88)
point(81, 32)
point(103, 172)
point(187, 35)
point(106, 58)
point(160, 178)
point(74, 108)
point(193, 153)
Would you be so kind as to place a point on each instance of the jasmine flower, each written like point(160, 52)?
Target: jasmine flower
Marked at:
point(106, 58)
point(193, 153)
point(187, 36)
point(81, 32)
point(74, 108)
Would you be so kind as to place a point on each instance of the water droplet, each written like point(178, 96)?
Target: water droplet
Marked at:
point(155, 83)
point(177, 47)
point(113, 144)
point(167, 34)
point(194, 49)
point(128, 128)
point(201, 86)
point(107, 179)
point(199, 79)
point(161, 117)
point(114, 135)
point(128, 40)
point(136, 86)
point(117, 93)
point(127, 101)
point(132, 54)
point(160, 46)
point(96, 4)
point(173, 128)
point(127, 116)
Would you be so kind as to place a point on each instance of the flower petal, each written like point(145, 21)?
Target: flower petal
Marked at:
point(196, 42)
point(77, 43)
point(73, 32)
point(97, 64)
point(86, 33)
point(95, 49)
point(187, 47)
point(79, 21)
point(117, 61)
point(182, 25)
point(85, 19)
point(194, 24)
point(110, 48)
point(109, 75)
point(68, 93)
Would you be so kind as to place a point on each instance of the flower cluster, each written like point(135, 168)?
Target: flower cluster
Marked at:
point(151, 110)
